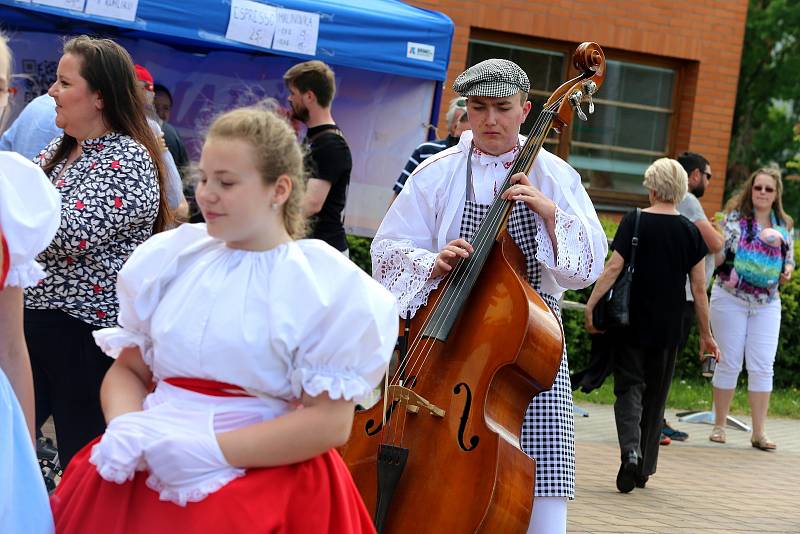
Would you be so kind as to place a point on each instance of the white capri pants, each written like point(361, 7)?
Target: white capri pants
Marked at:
point(744, 330)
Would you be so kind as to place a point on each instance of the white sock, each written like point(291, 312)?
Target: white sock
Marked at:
point(549, 516)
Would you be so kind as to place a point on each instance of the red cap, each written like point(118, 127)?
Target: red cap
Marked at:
point(143, 75)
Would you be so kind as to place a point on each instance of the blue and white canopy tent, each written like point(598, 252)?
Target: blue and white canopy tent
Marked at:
point(390, 61)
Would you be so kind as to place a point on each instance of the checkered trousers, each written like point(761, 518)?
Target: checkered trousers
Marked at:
point(548, 433)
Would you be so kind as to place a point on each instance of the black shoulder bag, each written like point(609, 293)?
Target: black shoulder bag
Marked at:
point(613, 309)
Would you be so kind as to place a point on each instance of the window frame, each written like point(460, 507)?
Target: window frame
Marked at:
point(607, 200)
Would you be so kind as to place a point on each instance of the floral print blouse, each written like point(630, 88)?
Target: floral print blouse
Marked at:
point(109, 203)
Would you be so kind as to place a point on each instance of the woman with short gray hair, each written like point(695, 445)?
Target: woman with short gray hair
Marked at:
point(668, 248)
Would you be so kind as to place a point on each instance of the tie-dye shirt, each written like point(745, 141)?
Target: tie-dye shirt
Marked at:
point(754, 275)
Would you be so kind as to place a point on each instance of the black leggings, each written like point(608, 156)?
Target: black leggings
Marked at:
point(68, 368)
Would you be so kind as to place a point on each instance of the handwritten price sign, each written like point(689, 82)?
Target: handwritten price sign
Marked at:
point(74, 5)
point(296, 31)
point(252, 23)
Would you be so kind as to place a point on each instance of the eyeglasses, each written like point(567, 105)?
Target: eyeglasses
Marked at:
point(766, 188)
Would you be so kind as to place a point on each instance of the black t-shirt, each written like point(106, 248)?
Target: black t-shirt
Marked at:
point(329, 159)
point(669, 246)
point(175, 146)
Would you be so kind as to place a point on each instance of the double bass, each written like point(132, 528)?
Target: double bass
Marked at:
point(441, 451)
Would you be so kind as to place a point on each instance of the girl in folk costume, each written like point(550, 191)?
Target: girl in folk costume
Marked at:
point(29, 218)
point(258, 345)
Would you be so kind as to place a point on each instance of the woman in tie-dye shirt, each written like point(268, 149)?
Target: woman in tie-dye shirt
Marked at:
point(745, 301)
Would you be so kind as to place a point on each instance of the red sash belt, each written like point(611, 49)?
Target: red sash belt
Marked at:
point(6, 263)
point(208, 387)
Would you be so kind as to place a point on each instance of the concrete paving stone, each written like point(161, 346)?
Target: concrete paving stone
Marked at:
point(745, 489)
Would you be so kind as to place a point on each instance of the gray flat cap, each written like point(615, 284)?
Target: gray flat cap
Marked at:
point(496, 78)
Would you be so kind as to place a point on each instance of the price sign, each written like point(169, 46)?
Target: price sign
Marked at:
point(74, 5)
point(113, 9)
point(251, 23)
point(296, 31)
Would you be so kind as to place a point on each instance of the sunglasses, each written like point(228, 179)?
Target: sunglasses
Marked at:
point(766, 188)
point(461, 102)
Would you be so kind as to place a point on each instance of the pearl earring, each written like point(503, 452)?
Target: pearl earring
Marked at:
point(274, 205)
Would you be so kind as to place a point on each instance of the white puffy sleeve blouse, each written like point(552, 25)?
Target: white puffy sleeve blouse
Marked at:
point(299, 317)
point(30, 210)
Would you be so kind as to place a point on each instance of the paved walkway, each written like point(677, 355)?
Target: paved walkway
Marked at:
point(700, 487)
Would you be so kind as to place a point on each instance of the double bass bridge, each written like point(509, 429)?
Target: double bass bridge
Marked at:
point(412, 401)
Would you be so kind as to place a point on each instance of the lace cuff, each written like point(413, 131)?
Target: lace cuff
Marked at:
point(405, 270)
point(574, 254)
point(183, 495)
point(26, 274)
point(112, 340)
point(337, 384)
point(114, 470)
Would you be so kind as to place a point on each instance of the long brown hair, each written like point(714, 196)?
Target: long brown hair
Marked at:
point(108, 69)
point(742, 200)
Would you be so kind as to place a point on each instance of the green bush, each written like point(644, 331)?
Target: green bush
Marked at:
point(579, 344)
point(359, 252)
point(791, 199)
point(787, 361)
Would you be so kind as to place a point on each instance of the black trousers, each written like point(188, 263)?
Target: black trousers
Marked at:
point(68, 368)
point(641, 384)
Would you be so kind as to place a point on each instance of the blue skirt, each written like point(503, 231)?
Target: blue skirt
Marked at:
point(23, 498)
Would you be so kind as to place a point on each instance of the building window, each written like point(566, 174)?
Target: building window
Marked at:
point(631, 126)
point(545, 68)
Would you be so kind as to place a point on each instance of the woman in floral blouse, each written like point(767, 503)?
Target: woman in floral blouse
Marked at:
point(745, 304)
point(109, 173)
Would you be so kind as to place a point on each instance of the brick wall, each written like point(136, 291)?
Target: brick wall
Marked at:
point(704, 34)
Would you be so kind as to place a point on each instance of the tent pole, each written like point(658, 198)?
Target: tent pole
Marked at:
point(437, 102)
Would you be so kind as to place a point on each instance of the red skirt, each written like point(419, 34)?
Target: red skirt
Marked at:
point(314, 496)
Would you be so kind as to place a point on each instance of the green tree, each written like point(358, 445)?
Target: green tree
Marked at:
point(768, 96)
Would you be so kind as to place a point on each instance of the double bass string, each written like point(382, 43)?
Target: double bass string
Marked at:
point(541, 127)
point(541, 123)
point(417, 361)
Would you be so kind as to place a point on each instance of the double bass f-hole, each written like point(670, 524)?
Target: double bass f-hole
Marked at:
point(462, 425)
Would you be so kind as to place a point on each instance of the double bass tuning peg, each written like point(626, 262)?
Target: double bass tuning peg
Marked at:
point(590, 88)
point(575, 100)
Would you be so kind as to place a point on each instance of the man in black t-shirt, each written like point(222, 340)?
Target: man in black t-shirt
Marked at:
point(311, 90)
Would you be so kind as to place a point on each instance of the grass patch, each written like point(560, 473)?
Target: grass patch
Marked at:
point(688, 395)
